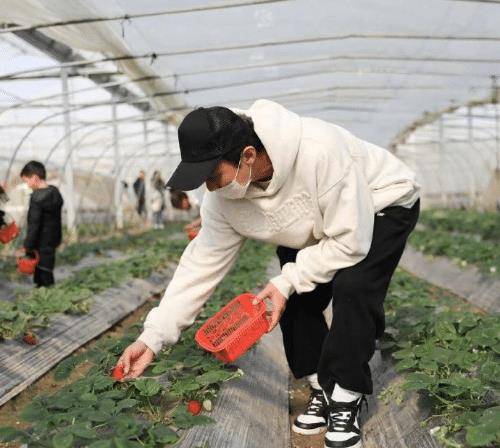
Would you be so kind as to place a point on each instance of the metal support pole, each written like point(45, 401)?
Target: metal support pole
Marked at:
point(470, 138)
point(68, 171)
point(497, 137)
point(444, 196)
point(495, 98)
point(168, 147)
point(470, 129)
point(118, 171)
point(147, 181)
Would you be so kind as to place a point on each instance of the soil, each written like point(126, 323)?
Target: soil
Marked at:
point(299, 395)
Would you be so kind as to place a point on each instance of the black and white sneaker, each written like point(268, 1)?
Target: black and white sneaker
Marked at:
point(313, 419)
point(343, 427)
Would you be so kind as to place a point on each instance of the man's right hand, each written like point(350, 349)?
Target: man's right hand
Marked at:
point(135, 359)
point(20, 252)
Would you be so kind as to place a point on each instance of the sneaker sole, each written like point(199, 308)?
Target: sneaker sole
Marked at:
point(308, 432)
point(358, 445)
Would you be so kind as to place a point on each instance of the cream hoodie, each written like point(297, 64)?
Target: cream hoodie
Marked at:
point(326, 187)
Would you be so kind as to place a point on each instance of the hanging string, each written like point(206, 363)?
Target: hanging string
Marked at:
point(127, 17)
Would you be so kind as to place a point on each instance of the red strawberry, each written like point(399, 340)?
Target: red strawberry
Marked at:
point(30, 339)
point(194, 406)
point(118, 372)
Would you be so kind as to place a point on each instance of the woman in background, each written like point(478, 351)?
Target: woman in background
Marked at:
point(157, 200)
point(180, 200)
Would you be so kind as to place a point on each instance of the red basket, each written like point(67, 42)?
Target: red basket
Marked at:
point(9, 232)
point(26, 265)
point(234, 329)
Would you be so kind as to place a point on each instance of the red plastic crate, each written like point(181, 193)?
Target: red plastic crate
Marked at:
point(234, 329)
point(26, 265)
point(9, 232)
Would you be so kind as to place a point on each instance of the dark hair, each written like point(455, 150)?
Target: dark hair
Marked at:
point(241, 136)
point(3, 195)
point(157, 181)
point(176, 197)
point(33, 167)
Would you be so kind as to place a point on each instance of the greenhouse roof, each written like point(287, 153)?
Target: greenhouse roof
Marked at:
point(372, 66)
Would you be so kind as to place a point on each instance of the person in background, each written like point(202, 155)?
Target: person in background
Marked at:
point(157, 200)
point(3, 199)
point(180, 200)
point(140, 193)
point(44, 233)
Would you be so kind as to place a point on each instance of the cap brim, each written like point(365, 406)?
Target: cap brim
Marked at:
point(191, 175)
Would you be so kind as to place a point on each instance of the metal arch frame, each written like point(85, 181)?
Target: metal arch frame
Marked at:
point(77, 146)
point(224, 69)
point(44, 119)
point(72, 131)
point(444, 154)
point(127, 163)
point(121, 166)
point(461, 161)
point(106, 148)
point(85, 89)
point(27, 134)
point(53, 149)
point(473, 144)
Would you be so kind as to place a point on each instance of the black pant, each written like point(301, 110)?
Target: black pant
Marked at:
point(341, 354)
point(141, 206)
point(44, 272)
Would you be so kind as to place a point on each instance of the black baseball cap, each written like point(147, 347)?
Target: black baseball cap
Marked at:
point(202, 137)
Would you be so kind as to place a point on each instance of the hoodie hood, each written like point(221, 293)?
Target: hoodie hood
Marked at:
point(280, 131)
point(49, 197)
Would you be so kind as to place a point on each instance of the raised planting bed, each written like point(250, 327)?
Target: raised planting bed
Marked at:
point(486, 225)
point(58, 320)
point(22, 364)
point(463, 250)
point(73, 253)
point(449, 353)
point(251, 411)
point(468, 282)
point(151, 411)
point(74, 295)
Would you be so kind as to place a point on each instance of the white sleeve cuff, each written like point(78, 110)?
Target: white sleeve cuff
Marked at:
point(283, 285)
point(152, 339)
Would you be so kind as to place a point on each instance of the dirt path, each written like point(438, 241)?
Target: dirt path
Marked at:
point(299, 394)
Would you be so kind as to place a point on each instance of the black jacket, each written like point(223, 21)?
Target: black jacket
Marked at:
point(139, 189)
point(44, 219)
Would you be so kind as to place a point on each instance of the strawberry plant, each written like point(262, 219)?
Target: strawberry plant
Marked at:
point(465, 236)
point(486, 225)
point(462, 249)
point(74, 295)
point(449, 353)
point(73, 253)
point(97, 411)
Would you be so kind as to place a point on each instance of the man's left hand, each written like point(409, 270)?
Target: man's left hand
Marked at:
point(278, 301)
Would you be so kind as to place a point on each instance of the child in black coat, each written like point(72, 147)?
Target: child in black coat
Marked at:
point(44, 231)
point(3, 199)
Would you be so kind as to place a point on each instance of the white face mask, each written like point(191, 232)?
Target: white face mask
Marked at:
point(233, 190)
